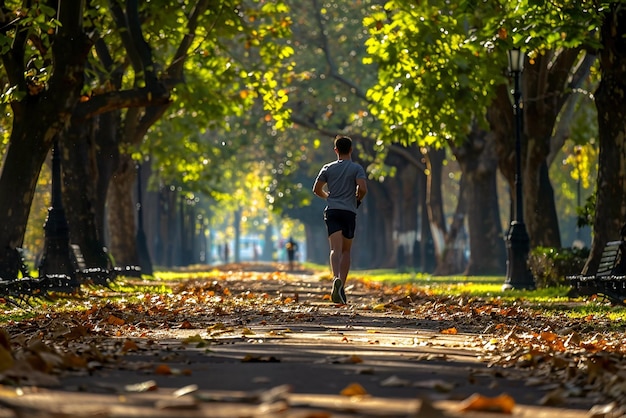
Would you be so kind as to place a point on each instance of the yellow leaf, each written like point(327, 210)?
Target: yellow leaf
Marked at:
point(449, 331)
point(194, 339)
point(216, 327)
point(353, 389)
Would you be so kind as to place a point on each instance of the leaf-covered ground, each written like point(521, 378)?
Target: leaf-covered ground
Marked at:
point(581, 358)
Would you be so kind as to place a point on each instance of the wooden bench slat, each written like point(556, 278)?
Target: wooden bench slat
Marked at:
point(607, 281)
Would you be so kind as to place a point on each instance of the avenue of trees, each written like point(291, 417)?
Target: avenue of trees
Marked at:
point(233, 105)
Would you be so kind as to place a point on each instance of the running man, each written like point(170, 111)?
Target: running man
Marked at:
point(346, 186)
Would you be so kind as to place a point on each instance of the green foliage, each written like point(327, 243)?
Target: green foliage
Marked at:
point(550, 266)
point(439, 62)
point(209, 130)
point(586, 214)
point(326, 84)
point(430, 69)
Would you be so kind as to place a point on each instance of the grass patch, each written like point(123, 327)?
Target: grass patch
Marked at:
point(478, 286)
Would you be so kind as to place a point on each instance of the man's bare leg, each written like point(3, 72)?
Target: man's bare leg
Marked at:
point(344, 263)
point(336, 243)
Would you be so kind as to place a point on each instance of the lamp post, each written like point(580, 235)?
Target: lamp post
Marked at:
point(56, 259)
point(518, 276)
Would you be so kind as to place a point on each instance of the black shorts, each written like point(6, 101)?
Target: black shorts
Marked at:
point(340, 220)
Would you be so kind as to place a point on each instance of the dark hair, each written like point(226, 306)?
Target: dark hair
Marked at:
point(343, 144)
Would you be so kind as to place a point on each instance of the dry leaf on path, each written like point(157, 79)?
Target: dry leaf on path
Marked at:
point(395, 381)
point(502, 403)
point(353, 389)
point(436, 384)
point(147, 386)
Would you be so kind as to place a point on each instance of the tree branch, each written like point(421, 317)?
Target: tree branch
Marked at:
point(116, 100)
point(332, 68)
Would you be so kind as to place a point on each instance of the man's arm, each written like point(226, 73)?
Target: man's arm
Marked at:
point(318, 189)
point(361, 189)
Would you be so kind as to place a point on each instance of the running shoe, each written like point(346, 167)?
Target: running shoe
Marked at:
point(336, 294)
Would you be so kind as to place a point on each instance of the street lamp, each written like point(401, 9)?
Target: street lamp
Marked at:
point(56, 259)
point(518, 275)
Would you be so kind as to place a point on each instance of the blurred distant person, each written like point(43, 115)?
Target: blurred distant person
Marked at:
point(291, 248)
point(226, 253)
point(346, 186)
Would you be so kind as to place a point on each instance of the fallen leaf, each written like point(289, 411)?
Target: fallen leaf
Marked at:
point(354, 359)
point(196, 338)
point(502, 403)
point(163, 369)
point(605, 411)
point(185, 390)
point(114, 320)
point(395, 381)
point(436, 384)
point(130, 345)
point(147, 386)
point(353, 389)
point(216, 327)
point(73, 361)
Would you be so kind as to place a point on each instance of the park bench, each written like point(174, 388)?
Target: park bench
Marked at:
point(14, 289)
point(610, 278)
point(17, 290)
point(99, 276)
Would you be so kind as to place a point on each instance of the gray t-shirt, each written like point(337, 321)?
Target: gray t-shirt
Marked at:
point(340, 177)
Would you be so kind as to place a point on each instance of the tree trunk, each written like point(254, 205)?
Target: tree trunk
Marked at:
point(479, 164)
point(424, 260)
point(402, 189)
point(436, 214)
point(452, 258)
point(25, 155)
point(611, 183)
point(121, 214)
point(107, 159)
point(374, 242)
point(79, 191)
point(37, 119)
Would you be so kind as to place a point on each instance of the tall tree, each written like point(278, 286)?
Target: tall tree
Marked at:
point(442, 69)
point(44, 51)
point(610, 215)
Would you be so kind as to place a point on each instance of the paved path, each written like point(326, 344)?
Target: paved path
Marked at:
point(266, 364)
